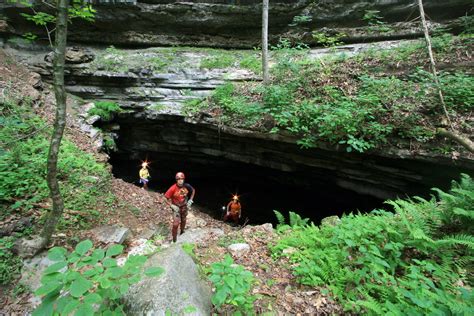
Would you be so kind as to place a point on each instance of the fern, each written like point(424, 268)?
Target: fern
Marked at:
point(407, 262)
point(297, 221)
point(281, 219)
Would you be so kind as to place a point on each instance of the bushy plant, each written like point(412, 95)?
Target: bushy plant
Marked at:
point(88, 281)
point(10, 264)
point(400, 263)
point(24, 142)
point(105, 109)
point(232, 286)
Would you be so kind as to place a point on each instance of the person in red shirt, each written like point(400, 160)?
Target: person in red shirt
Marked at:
point(234, 210)
point(180, 196)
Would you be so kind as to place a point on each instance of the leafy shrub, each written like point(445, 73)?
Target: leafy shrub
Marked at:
point(105, 109)
point(233, 284)
point(10, 264)
point(23, 166)
point(458, 89)
point(402, 263)
point(251, 62)
point(328, 40)
point(88, 281)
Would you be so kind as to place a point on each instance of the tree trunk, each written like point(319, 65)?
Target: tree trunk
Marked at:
point(266, 76)
point(53, 216)
point(464, 141)
point(432, 61)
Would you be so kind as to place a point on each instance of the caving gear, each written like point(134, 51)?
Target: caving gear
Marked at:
point(234, 210)
point(144, 175)
point(180, 197)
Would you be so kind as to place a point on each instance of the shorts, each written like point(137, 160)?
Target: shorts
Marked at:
point(144, 181)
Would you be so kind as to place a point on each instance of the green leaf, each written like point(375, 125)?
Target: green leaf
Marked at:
point(98, 254)
point(83, 247)
point(80, 286)
point(46, 307)
point(57, 253)
point(55, 267)
point(115, 272)
point(84, 310)
point(219, 298)
point(114, 250)
point(230, 281)
point(70, 307)
point(109, 262)
point(154, 271)
point(56, 276)
point(123, 289)
point(92, 298)
point(105, 283)
point(49, 288)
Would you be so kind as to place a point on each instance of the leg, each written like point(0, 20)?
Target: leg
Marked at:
point(183, 212)
point(174, 230)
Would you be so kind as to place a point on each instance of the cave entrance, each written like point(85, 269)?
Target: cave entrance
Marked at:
point(261, 189)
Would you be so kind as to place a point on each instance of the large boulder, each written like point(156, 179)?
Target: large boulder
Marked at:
point(179, 290)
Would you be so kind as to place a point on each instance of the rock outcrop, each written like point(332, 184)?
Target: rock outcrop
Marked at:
point(179, 290)
point(237, 23)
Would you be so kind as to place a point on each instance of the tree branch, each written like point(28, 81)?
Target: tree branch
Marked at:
point(464, 141)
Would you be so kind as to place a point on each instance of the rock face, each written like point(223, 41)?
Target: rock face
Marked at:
point(178, 291)
point(383, 174)
point(234, 23)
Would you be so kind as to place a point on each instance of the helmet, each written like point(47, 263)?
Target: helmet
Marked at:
point(179, 175)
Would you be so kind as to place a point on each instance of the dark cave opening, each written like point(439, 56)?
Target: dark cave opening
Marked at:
point(261, 189)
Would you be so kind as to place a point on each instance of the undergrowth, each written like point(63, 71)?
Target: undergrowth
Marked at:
point(415, 261)
point(355, 103)
point(24, 143)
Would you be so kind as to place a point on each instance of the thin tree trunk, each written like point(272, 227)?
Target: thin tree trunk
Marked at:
point(432, 61)
point(60, 120)
point(266, 76)
point(464, 141)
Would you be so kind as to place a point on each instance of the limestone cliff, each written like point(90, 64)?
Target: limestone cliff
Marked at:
point(237, 23)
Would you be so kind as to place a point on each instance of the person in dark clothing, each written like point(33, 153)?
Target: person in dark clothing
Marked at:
point(180, 197)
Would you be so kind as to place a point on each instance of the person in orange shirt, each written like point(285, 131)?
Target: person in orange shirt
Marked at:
point(179, 197)
point(234, 210)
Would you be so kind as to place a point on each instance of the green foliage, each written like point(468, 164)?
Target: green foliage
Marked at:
point(415, 261)
point(236, 106)
point(458, 89)
point(375, 22)
point(112, 60)
point(105, 109)
point(301, 19)
point(24, 143)
point(10, 264)
point(251, 62)
point(328, 40)
point(233, 284)
point(295, 220)
point(218, 60)
point(88, 281)
point(467, 22)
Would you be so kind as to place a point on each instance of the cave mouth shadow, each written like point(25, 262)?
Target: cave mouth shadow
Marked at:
point(261, 189)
